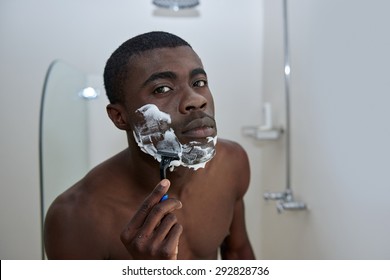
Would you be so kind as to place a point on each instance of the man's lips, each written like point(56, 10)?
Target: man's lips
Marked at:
point(200, 128)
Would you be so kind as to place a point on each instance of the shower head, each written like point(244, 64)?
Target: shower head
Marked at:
point(176, 4)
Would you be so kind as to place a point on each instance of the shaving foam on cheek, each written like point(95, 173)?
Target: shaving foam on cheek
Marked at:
point(153, 133)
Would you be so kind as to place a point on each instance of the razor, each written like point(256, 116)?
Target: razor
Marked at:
point(166, 159)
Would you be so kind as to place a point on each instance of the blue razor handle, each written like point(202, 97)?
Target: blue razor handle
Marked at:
point(166, 158)
point(165, 197)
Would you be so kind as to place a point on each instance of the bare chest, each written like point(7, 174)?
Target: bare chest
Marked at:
point(203, 233)
point(205, 222)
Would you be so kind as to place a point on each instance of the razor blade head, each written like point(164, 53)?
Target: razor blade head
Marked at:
point(171, 155)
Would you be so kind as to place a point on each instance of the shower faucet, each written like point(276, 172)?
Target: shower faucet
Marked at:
point(277, 195)
point(290, 205)
point(285, 201)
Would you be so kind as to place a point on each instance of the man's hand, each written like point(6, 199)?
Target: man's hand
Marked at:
point(153, 231)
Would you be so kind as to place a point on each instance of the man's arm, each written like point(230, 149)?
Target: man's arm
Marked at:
point(237, 245)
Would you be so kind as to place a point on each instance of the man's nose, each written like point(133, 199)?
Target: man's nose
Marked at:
point(192, 101)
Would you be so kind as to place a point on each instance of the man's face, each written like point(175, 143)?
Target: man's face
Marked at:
point(174, 81)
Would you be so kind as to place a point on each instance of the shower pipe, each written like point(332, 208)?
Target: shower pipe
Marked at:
point(285, 199)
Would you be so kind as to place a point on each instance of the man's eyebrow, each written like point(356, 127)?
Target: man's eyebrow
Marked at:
point(198, 71)
point(171, 75)
point(160, 75)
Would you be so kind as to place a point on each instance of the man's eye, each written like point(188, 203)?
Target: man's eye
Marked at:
point(200, 83)
point(161, 90)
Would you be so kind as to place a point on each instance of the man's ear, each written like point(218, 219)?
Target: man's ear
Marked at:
point(117, 114)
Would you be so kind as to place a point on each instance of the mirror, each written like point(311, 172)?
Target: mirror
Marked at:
point(63, 143)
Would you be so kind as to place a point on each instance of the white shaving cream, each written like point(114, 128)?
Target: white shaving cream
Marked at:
point(153, 133)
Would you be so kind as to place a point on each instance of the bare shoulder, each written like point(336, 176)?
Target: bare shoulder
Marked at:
point(231, 146)
point(233, 157)
point(82, 196)
point(81, 210)
point(77, 200)
point(68, 223)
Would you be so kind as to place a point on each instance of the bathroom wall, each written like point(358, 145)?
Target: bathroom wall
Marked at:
point(339, 130)
point(227, 35)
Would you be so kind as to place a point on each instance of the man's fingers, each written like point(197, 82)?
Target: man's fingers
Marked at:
point(171, 243)
point(150, 201)
point(153, 231)
point(163, 229)
point(160, 213)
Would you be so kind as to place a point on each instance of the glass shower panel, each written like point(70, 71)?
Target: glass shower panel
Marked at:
point(63, 132)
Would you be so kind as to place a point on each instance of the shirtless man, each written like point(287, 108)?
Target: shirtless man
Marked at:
point(159, 95)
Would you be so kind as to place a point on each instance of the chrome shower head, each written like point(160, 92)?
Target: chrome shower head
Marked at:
point(176, 4)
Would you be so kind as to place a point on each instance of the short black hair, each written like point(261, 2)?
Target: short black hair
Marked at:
point(117, 68)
